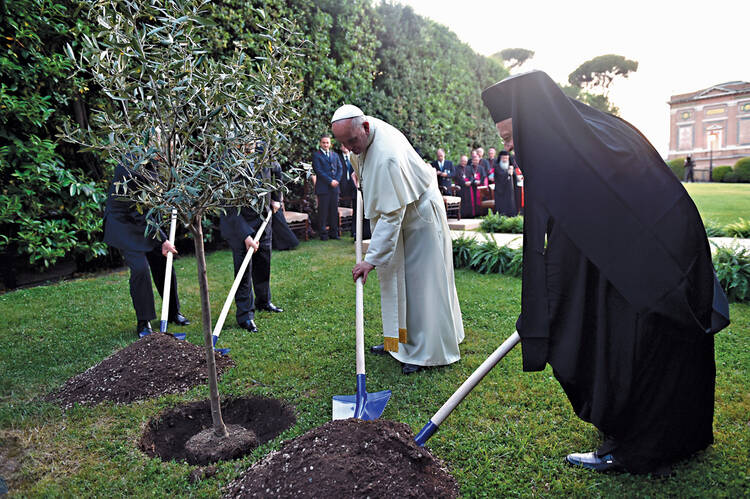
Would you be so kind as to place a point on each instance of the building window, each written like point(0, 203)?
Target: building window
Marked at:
point(685, 137)
point(743, 131)
point(714, 137)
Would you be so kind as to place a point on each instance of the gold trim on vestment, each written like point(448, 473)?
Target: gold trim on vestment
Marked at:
point(390, 344)
point(402, 335)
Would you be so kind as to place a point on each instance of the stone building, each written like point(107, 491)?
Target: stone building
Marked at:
point(711, 125)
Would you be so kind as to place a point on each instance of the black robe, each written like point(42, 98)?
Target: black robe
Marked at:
point(468, 193)
point(283, 237)
point(505, 199)
point(619, 294)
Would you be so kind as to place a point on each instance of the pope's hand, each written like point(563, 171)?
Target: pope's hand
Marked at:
point(168, 247)
point(361, 270)
point(250, 243)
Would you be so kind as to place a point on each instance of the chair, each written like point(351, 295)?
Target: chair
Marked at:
point(452, 206)
point(345, 219)
point(487, 196)
point(298, 222)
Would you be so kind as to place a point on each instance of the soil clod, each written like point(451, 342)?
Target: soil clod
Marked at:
point(348, 458)
point(154, 365)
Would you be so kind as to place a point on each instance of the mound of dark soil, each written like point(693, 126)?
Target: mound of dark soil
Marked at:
point(154, 365)
point(166, 434)
point(348, 458)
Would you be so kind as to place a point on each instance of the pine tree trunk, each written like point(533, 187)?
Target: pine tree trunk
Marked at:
point(200, 255)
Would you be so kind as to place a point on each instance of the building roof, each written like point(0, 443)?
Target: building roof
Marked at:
point(723, 89)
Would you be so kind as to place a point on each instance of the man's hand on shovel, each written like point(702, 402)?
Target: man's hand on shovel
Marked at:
point(168, 247)
point(250, 243)
point(361, 270)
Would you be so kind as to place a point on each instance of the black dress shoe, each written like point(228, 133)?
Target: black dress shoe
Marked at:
point(271, 308)
point(410, 368)
point(250, 326)
point(591, 461)
point(378, 349)
point(179, 319)
point(143, 329)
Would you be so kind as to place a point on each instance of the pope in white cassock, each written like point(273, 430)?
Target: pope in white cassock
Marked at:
point(410, 245)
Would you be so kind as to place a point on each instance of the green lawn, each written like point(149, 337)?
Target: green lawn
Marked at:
point(722, 203)
point(509, 437)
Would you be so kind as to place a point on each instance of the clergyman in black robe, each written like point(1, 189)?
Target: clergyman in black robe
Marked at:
point(505, 199)
point(619, 293)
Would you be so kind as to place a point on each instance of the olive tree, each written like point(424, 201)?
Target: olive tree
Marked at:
point(182, 120)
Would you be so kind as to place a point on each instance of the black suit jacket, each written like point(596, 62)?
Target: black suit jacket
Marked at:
point(236, 226)
point(347, 187)
point(447, 168)
point(124, 227)
point(327, 170)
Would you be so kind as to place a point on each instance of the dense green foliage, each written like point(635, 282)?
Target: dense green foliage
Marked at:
point(742, 169)
point(394, 64)
point(677, 166)
point(487, 257)
point(50, 198)
point(740, 228)
point(720, 172)
point(507, 439)
point(732, 266)
point(495, 222)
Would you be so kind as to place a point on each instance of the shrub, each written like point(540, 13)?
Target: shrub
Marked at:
point(732, 266)
point(463, 247)
point(720, 172)
point(714, 228)
point(738, 229)
point(730, 178)
point(494, 222)
point(742, 169)
point(678, 167)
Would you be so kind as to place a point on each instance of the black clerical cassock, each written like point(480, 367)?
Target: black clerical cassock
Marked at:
point(619, 294)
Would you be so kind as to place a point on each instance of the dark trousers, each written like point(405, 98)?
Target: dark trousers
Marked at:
point(140, 282)
point(259, 270)
point(328, 215)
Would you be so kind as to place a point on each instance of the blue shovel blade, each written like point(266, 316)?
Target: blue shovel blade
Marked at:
point(362, 405)
point(222, 351)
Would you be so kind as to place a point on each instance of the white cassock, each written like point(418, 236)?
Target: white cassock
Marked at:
point(411, 249)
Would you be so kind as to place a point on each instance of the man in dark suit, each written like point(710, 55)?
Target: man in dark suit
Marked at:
point(348, 186)
point(125, 229)
point(239, 230)
point(328, 170)
point(444, 170)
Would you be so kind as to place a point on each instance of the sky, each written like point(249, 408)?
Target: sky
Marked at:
point(681, 46)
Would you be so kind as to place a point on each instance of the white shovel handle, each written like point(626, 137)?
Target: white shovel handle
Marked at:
point(238, 277)
point(475, 378)
point(168, 273)
point(359, 298)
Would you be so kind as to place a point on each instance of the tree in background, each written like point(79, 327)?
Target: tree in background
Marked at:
point(183, 119)
point(513, 58)
point(428, 84)
point(599, 72)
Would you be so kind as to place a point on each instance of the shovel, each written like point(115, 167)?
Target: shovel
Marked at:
point(235, 285)
point(168, 283)
point(362, 405)
point(432, 425)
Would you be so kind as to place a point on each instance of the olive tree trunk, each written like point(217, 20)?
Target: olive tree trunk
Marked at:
point(200, 255)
